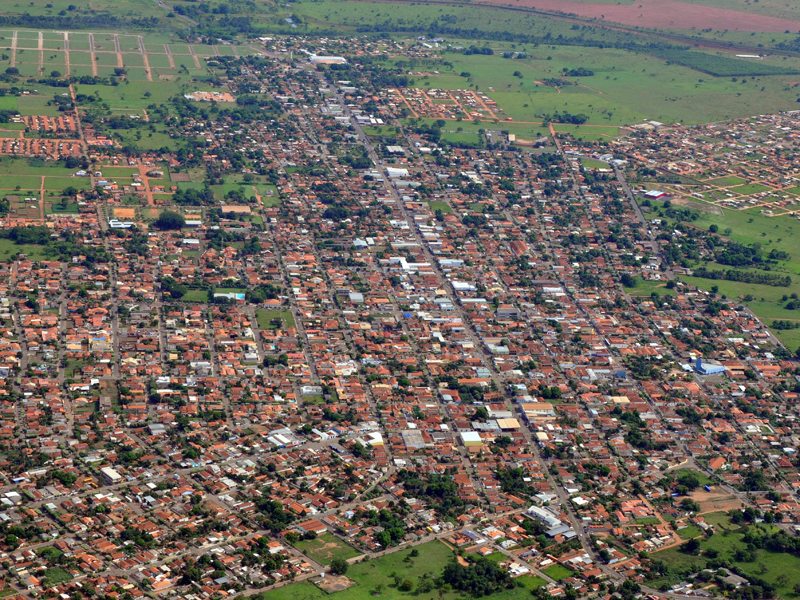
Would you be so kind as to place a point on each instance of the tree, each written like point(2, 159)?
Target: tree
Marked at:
point(690, 547)
point(406, 586)
point(169, 220)
point(55, 73)
point(339, 566)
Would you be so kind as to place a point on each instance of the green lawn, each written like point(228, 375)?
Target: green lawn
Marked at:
point(295, 591)
point(590, 163)
point(195, 296)
point(749, 188)
point(325, 548)
point(689, 532)
point(265, 317)
point(729, 181)
point(438, 205)
point(558, 572)
point(9, 248)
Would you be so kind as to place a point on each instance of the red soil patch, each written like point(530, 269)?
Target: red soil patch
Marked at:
point(667, 14)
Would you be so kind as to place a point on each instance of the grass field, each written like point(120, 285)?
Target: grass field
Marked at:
point(8, 249)
point(375, 578)
point(265, 317)
point(701, 477)
point(725, 543)
point(438, 205)
point(558, 572)
point(645, 288)
point(195, 296)
point(55, 576)
point(749, 188)
point(325, 548)
point(729, 181)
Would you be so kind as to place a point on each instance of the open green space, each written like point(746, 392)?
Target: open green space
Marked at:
point(701, 477)
point(325, 548)
point(195, 296)
point(558, 572)
point(780, 569)
point(265, 318)
point(647, 288)
point(749, 188)
point(590, 163)
point(689, 532)
point(375, 578)
point(435, 205)
point(729, 181)
point(8, 249)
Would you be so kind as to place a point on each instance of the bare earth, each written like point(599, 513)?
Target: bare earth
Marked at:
point(668, 14)
point(715, 501)
point(333, 583)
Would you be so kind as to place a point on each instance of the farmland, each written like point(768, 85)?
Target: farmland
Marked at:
point(624, 89)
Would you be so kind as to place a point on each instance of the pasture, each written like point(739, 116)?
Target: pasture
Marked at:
point(625, 88)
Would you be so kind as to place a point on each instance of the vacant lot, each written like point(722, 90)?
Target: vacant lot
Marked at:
point(558, 572)
point(268, 319)
point(325, 548)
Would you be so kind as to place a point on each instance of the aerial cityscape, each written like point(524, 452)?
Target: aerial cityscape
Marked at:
point(366, 299)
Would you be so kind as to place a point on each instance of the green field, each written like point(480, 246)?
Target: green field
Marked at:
point(749, 188)
point(195, 296)
point(265, 317)
point(375, 577)
point(725, 541)
point(646, 288)
point(729, 181)
point(558, 572)
point(55, 576)
point(8, 249)
point(325, 548)
point(435, 205)
point(590, 163)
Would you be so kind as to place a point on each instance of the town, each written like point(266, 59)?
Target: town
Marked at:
point(326, 335)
